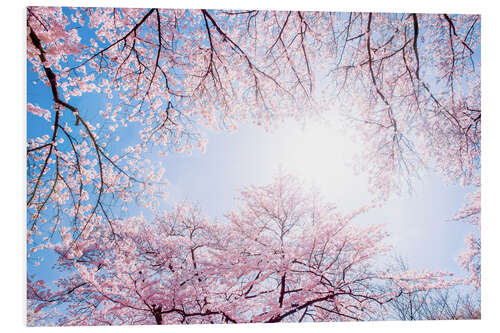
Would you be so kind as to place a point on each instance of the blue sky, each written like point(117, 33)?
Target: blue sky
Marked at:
point(318, 154)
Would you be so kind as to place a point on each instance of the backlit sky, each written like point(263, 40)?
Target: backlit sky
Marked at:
point(317, 153)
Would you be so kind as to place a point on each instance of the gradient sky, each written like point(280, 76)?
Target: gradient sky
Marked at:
point(317, 153)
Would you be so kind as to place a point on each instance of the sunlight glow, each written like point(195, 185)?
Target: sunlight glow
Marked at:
point(323, 154)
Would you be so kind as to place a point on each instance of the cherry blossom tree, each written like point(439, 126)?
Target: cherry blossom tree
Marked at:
point(308, 261)
point(141, 273)
point(164, 73)
point(411, 84)
point(452, 303)
point(285, 255)
point(470, 259)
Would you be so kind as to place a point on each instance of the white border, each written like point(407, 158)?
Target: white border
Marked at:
point(13, 136)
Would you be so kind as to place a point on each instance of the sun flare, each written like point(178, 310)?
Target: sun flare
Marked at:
point(322, 154)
